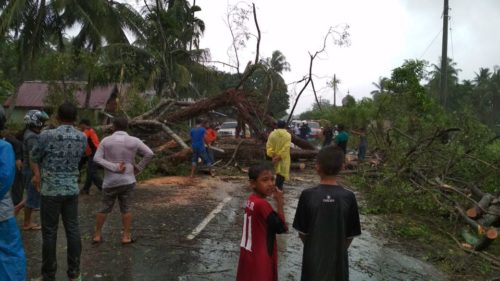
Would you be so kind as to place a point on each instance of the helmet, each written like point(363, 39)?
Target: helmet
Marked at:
point(35, 118)
point(3, 119)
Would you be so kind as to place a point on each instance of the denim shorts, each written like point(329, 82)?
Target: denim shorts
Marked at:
point(200, 153)
point(32, 195)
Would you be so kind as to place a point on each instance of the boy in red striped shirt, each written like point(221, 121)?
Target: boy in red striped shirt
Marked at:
point(258, 248)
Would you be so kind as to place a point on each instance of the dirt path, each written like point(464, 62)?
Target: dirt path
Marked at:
point(167, 211)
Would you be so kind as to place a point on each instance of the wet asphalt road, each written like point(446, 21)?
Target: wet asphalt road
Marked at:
point(165, 215)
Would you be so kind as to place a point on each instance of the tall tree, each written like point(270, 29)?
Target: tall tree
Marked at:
point(171, 30)
point(38, 25)
point(276, 101)
point(435, 79)
point(380, 86)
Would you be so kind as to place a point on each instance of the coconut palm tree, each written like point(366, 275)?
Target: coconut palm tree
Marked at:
point(38, 25)
point(272, 69)
point(171, 31)
point(277, 62)
point(381, 86)
point(483, 76)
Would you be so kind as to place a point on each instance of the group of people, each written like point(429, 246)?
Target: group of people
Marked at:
point(50, 164)
point(339, 136)
point(326, 217)
point(334, 135)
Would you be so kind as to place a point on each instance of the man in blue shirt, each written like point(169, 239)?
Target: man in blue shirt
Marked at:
point(57, 154)
point(12, 259)
point(198, 146)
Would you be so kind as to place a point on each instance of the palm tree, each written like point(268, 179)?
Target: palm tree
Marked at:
point(37, 24)
point(171, 30)
point(274, 68)
point(483, 76)
point(381, 86)
point(495, 99)
point(102, 22)
point(277, 62)
point(434, 84)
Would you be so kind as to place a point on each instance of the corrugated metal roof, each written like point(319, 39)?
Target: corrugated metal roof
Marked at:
point(33, 93)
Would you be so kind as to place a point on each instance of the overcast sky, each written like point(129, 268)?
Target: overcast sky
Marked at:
point(383, 34)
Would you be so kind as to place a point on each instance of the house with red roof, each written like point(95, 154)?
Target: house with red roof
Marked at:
point(35, 94)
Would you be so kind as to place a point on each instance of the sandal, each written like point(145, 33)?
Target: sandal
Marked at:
point(31, 227)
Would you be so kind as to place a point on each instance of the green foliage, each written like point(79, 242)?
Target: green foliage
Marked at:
point(149, 172)
point(413, 230)
point(136, 104)
point(59, 94)
point(406, 126)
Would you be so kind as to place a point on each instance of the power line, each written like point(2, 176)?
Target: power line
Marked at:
point(434, 39)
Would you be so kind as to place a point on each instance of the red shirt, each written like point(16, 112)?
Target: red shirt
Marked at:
point(91, 137)
point(258, 256)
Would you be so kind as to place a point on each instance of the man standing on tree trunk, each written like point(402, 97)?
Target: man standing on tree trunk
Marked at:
point(278, 148)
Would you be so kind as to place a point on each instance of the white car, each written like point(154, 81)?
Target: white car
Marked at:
point(228, 129)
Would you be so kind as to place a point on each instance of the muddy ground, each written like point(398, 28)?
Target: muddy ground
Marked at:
point(166, 211)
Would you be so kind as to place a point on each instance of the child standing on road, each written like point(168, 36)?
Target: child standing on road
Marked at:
point(327, 220)
point(258, 248)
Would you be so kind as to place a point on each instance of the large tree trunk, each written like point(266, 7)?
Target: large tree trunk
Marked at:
point(247, 111)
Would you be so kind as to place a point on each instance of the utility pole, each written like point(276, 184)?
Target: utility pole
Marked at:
point(334, 90)
point(333, 84)
point(444, 57)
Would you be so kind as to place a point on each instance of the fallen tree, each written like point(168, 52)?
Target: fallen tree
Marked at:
point(425, 168)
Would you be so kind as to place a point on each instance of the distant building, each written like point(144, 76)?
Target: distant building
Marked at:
point(33, 94)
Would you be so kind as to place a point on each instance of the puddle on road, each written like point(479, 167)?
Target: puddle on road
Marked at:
point(163, 253)
point(217, 250)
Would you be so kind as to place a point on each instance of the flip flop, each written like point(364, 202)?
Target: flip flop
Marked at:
point(31, 227)
point(132, 240)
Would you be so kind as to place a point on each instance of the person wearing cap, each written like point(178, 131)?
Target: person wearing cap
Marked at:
point(278, 148)
point(12, 258)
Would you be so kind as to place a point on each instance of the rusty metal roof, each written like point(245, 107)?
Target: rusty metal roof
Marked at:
point(33, 93)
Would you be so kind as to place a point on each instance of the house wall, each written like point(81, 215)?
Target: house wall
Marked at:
point(17, 116)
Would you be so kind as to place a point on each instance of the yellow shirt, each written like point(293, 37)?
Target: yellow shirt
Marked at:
point(278, 144)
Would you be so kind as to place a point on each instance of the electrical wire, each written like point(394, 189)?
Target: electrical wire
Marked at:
point(430, 44)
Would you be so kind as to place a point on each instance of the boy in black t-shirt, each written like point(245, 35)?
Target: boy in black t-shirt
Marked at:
point(327, 219)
